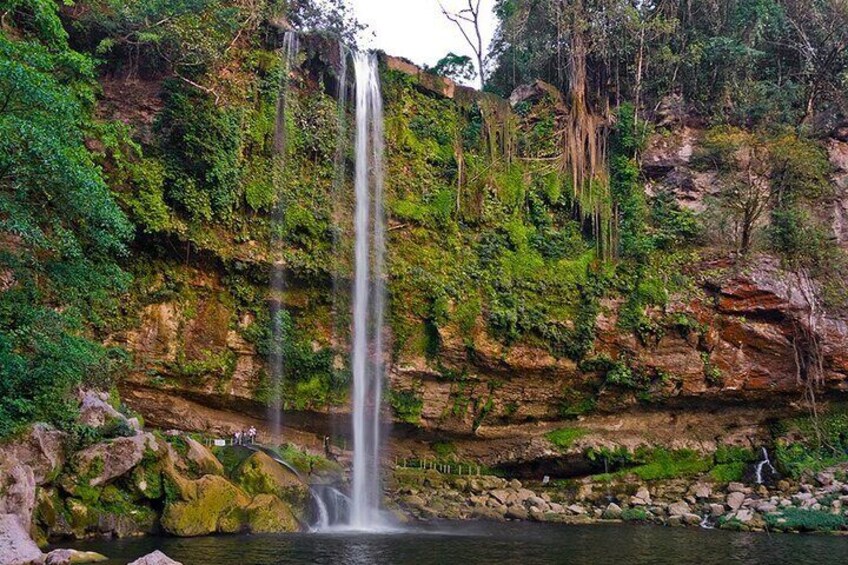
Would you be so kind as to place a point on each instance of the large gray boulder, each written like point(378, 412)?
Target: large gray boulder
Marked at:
point(16, 547)
point(17, 491)
point(41, 449)
point(109, 460)
point(95, 411)
point(155, 558)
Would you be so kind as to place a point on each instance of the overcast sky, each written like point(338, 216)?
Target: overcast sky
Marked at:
point(417, 29)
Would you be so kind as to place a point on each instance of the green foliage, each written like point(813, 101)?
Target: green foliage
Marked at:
point(188, 36)
point(563, 438)
point(731, 463)
point(444, 450)
point(635, 514)
point(308, 378)
point(457, 67)
point(728, 472)
point(61, 231)
point(306, 463)
point(806, 520)
point(664, 464)
point(407, 405)
point(805, 445)
point(202, 149)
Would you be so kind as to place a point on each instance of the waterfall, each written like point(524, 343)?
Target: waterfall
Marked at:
point(276, 362)
point(759, 468)
point(368, 295)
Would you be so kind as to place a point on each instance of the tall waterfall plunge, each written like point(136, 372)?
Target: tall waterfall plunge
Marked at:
point(368, 295)
point(291, 48)
point(362, 510)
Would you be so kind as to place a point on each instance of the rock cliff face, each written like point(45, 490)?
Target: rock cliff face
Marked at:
point(746, 338)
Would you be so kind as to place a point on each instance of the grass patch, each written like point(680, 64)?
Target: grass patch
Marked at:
point(806, 520)
point(728, 472)
point(637, 514)
point(564, 438)
point(665, 464)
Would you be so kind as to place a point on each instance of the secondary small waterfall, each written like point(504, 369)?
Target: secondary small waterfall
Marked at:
point(276, 361)
point(758, 470)
point(368, 295)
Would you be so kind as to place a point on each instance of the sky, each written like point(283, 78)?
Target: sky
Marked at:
point(417, 29)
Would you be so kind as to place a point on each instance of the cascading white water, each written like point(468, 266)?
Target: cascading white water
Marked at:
point(759, 468)
point(291, 47)
point(368, 295)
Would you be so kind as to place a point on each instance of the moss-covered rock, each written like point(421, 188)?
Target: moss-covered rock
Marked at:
point(206, 507)
point(268, 514)
point(201, 459)
point(212, 504)
point(259, 474)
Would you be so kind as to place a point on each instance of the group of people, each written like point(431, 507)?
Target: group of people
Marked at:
point(242, 437)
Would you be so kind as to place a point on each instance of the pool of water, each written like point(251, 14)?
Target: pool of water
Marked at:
point(490, 543)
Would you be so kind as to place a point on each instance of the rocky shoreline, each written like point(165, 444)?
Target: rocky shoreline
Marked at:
point(818, 506)
point(123, 481)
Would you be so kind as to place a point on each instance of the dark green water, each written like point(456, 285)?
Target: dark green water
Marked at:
point(485, 543)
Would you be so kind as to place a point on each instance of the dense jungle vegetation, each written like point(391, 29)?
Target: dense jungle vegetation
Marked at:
point(510, 223)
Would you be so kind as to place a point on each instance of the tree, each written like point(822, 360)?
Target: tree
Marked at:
point(819, 36)
point(742, 162)
point(456, 67)
point(470, 18)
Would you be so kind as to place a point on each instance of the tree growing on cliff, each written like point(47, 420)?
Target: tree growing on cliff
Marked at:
point(455, 67)
point(467, 20)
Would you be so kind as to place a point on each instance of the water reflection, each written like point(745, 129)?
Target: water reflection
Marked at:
point(482, 543)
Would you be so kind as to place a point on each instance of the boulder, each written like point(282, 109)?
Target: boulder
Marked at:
point(428, 82)
point(612, 511)
point(539, 503)
point(501, 495)
point(736, 487)
point(95, 411)
point(103, 462)
point(735, 500)
point(824, 478)
point(16, 547)
point(744, 515)
point(73, 557)
point(202, 458)
point(41, 449)
point(209, 505)
point(17, 491)
point(679, 509)
point(641, 498)
point(691, 519)
point(702, 490)
point(517, 513)
point(576, 509)
point(155, 558)
point(84, 519)
point(50, 515)
point(259, 474)
point(267, 514)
